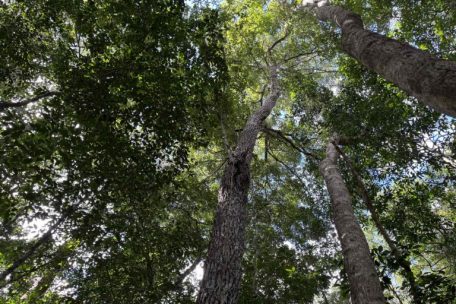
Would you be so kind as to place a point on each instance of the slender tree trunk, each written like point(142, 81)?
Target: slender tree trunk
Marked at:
point(430, 79)
point(222, 270)
point(400, 258)
point(364, 283)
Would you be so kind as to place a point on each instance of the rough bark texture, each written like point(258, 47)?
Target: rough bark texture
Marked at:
point(430, 79)
point(222, 270)
point(400, 257)
point(364, 283)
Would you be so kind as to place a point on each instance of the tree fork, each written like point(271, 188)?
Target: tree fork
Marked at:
point(365, 285)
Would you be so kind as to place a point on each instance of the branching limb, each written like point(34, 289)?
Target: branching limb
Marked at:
point(187, 272)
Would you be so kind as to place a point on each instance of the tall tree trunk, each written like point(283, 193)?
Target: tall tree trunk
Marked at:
point(364, 283)
point(222, 270)
point(400, 257)
point(430, 79)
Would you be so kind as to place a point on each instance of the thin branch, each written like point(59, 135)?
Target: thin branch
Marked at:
point(301, 60)
point(187, 272)
point(289, 169)
point(298, 56)
point(263, 91)
point(320, 71)
point(285, 139)
point(396, 294)
point(5, 105)
point(224, 134)
point(215, 171)
point(42, 240)
point(431, 266)
point(368, 202)
point(278, 41)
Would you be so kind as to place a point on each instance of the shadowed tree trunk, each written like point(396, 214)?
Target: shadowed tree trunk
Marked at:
point(364, 283)
point(430, 79)
point(222, 270)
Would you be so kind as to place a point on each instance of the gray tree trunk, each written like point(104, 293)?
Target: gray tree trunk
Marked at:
point(365, 285)
point(398, 254)
point(222, 270)
point(430, 79)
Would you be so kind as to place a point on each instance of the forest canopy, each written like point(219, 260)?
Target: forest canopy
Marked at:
point(233, 151)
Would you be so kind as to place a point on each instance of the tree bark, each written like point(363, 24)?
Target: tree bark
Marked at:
point(430, 79)
point(222, 270)
point(365, 285)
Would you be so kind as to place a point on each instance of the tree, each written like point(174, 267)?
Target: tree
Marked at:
point(430, 79)
point(364, 283)
point(222, 270)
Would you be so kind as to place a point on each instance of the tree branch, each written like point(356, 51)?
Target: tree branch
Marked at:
point(289, 169)
point(278, 41)
point(286, 59)
point(5, 105)
point(224, 133)
point(42, 240)
point(278, 134)
point(187, 272)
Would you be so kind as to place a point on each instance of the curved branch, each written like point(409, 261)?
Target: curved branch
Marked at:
point(278, 41)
